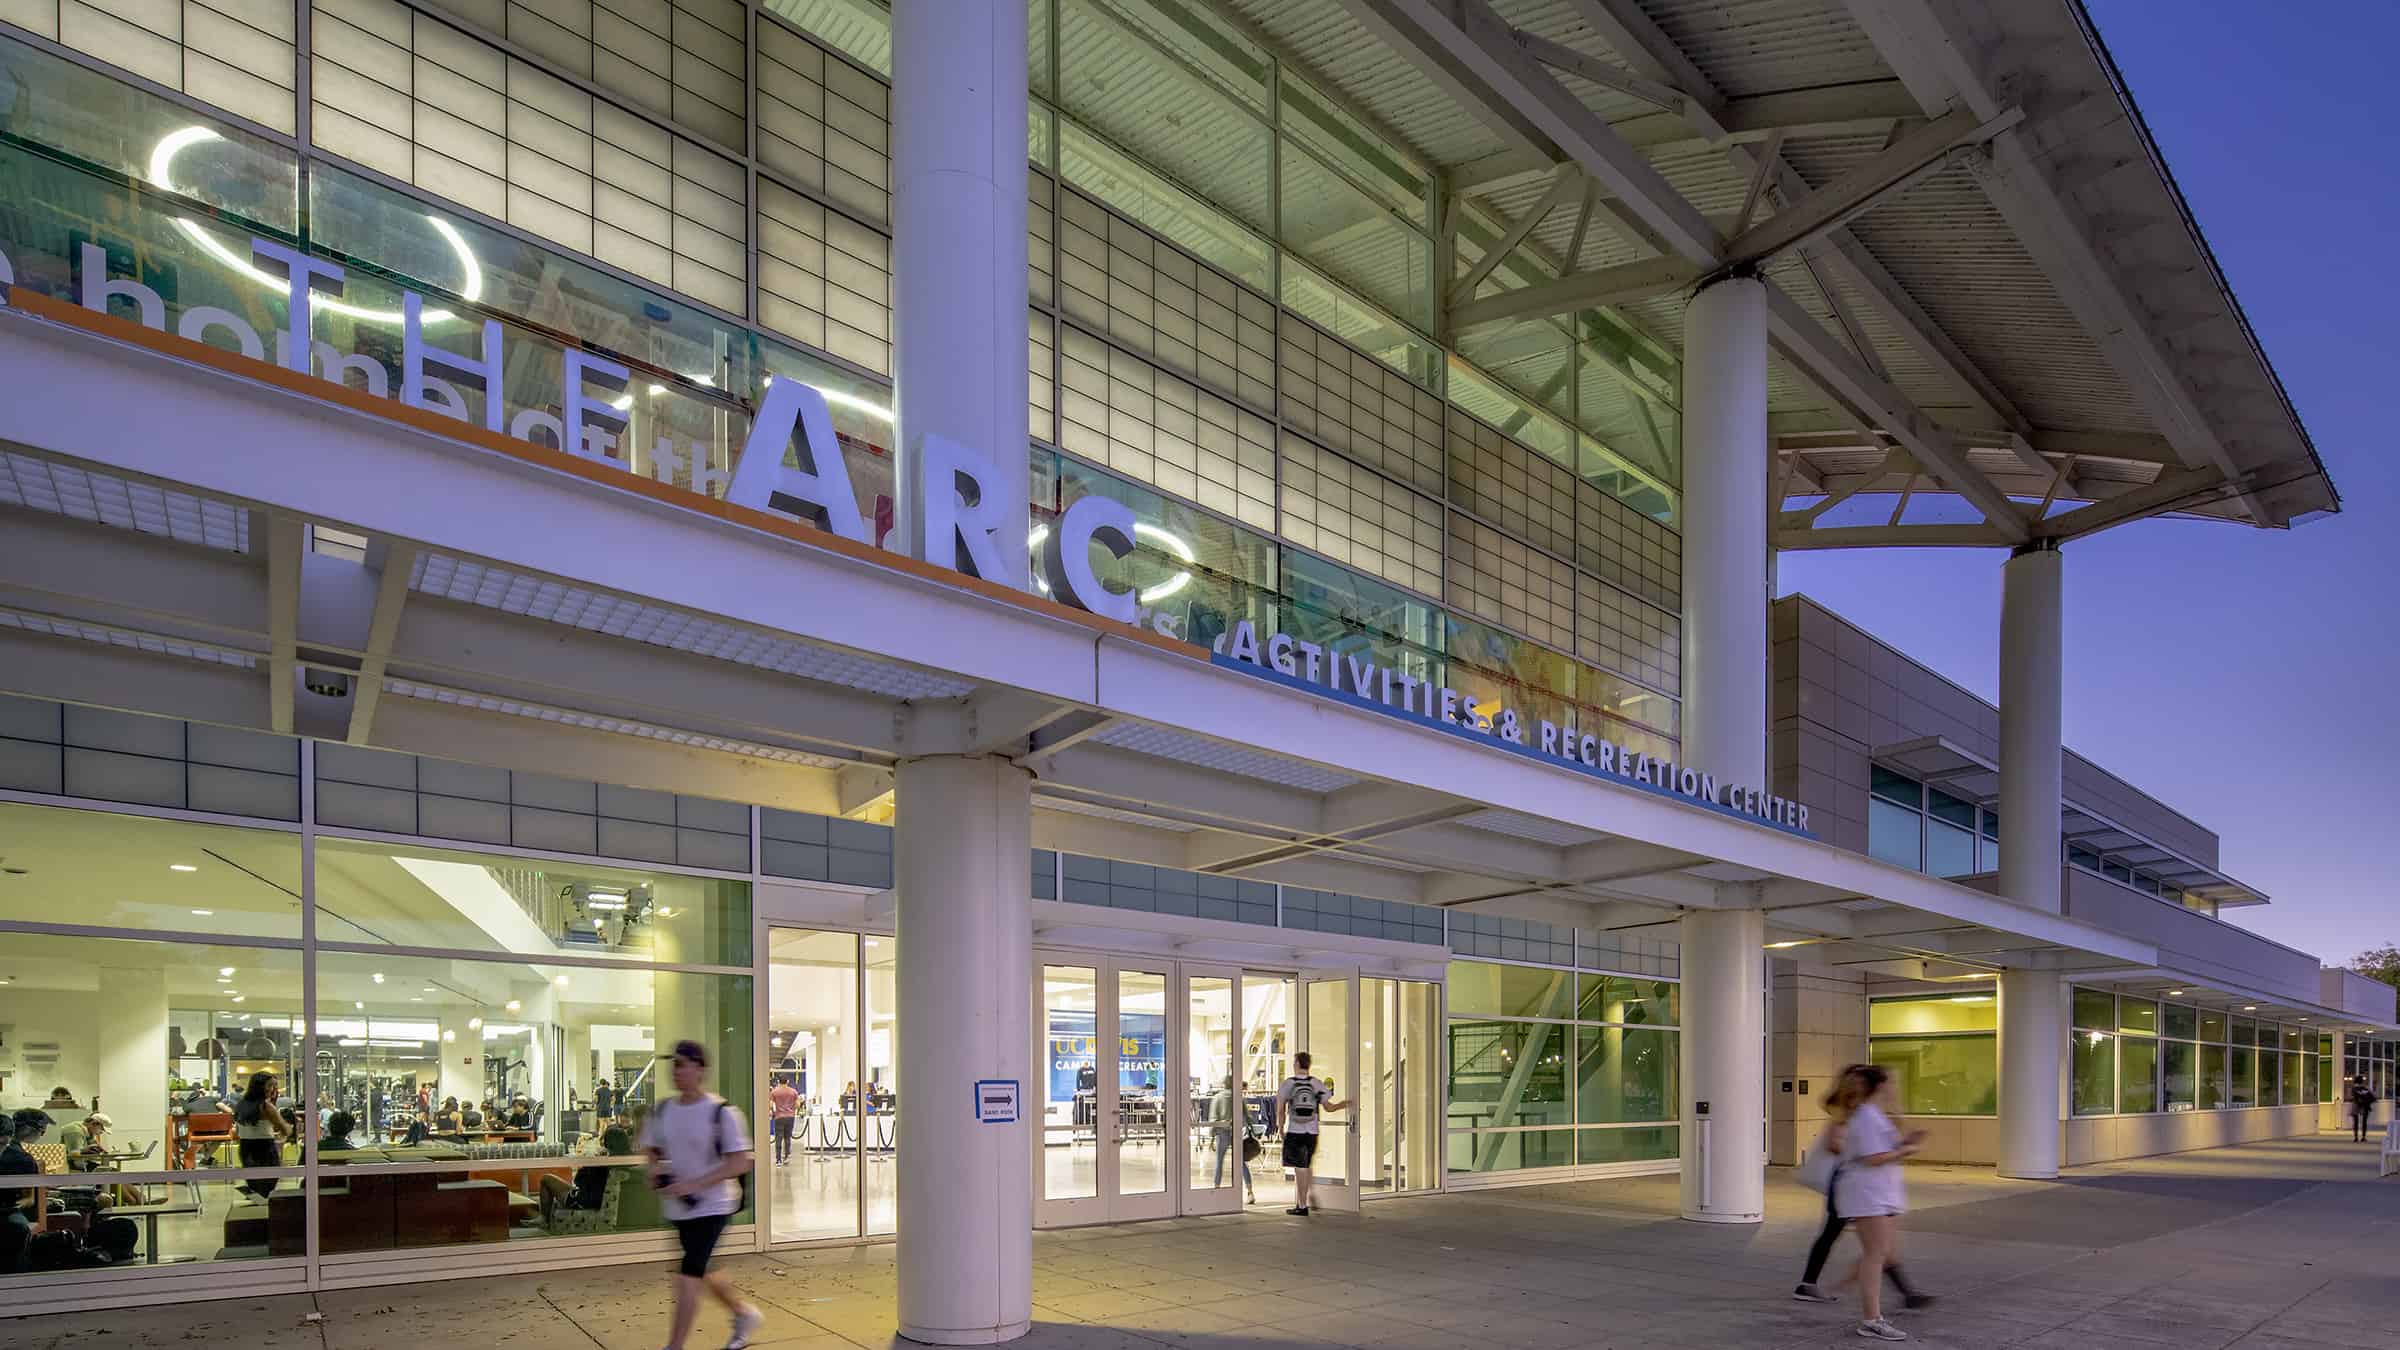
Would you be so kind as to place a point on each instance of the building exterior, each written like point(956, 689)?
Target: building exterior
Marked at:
point(514, 550)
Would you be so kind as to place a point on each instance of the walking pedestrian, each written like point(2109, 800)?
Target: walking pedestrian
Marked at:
point(698, 1153)
point(1299, 1103)
point(259, 1131)
point(2362, 1106)
point(1847, 1091)
point(1228, 1122)
point(1871, 1193)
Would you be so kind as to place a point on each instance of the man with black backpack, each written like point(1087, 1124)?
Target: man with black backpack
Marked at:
point(1299, 1103)
point(700, 1163)
point(2362, 1106)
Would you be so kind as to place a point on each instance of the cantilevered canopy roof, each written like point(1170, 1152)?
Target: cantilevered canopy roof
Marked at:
point(1989, 297)
point(1964, 774)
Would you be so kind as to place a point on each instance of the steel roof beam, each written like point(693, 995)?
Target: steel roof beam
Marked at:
point(1480, 44)
point(1925, 150)
point(1577, 291)
point(1402, 27)
point(1564, 181)
point(1940, 66)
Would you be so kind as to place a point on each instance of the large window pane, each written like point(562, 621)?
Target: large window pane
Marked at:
point(2212, 1025)
point(1511, 1150)
point(108, 870)
point(2137, 1016)
point(201, 1219)
point(1949, 850)
point(1625, 1074)
point(1508, 1073)
point(1893, 833)
point(879, 1083)
point(2095, 1072)
point(156, 1034)
point(1933, 1014)
point(1355, 239)
point(2295, 1079)
point(411, 896)
point(2180, 1077)
point(1162, 112)
point(2242, 1089)
point(508, 1053)
point(1070, 1082)
point(1615, 1146)
point(812, 1049)
point(2137, 1076)
point(1479, 988)
point(2213, 1086)
point(2182, 1023)
point(1141, 1130)
point(2095, 1010)
point(1942, 1075)
point(1629, 999)
point(2270, 1078)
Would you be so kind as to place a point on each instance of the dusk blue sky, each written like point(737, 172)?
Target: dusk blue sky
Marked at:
point(2242, 676)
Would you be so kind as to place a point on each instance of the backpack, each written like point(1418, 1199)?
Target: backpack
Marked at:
point(1302, 1100)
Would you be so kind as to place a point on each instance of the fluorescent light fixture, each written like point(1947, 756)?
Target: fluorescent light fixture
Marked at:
point(202, 913)
point(181, 867)
point(2174, 993)
point(1971, 998)
point(359, 1006)
point(2249, 1007)
point(514, 1005)
point(1778, 946)
point(611, 903)
point(239, 998)
point(225, 970)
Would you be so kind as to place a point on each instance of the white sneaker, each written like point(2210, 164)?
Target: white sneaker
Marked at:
point(745, 1325)
point(1880, 1330)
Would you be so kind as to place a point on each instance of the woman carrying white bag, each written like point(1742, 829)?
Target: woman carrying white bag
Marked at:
point(1863, 1185)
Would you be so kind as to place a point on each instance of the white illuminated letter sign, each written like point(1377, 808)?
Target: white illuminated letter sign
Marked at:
point(818, 490)
point(964, 514)
point(1067, 556)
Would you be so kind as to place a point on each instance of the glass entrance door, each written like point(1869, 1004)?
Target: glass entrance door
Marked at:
point(1329, 1033)
point(1143, 1108)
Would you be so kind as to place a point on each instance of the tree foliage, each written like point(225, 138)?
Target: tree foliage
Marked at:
point(2379, 963)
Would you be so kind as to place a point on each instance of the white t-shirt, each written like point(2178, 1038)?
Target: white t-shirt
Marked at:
point(1859, 1190)
point(696, 1137)
point(1300, 1100)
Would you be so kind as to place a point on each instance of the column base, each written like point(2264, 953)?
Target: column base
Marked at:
point(964, 1335)
point(2051, 1175)
point(1720, 1216)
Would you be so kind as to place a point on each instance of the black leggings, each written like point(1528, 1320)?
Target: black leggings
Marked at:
point(260, 1153)
point(699, 1237)
point(1823, 1249)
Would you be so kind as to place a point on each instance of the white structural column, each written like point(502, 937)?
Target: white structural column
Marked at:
point(2033, 1038)
point(1725, 734)
point(2032, 1002)
point(1724, 1065)
point(958, 252)
point(965, 896)
point(1725, 531)
point(2032, 658)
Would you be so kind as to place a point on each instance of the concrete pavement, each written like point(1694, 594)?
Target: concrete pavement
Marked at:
point(2266, 1247)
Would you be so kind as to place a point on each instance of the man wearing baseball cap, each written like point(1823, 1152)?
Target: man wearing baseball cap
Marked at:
point(699, 1151)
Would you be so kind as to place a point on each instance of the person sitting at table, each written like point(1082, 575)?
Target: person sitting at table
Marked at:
point(591, 1183)
point(85, 1141)
point(520, 1114)
point(337, 1133)
point(448, 1120)
point(472, 1118)
point(19, 1215)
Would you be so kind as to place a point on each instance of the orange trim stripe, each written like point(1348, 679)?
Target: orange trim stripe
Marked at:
point(558, 461)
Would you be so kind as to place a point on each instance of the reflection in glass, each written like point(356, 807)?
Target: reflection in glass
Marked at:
point(1329, 1036)
point(812, 1053)
point(1215, 1159)
point(135, 872)
point(1141, 1127)
point(416, 896)
point(2095, 1073)
point(1399, 1114)
point(1267, 1036)
point(2137, 1076)
point(1070, 1083)
point(878, 1081)
point(1488, 989)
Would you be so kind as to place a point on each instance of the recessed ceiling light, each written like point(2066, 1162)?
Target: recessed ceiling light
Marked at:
point(181, 867)
point(203, 913)
point(239, 999)
point(2249, 1007)
point(416, 998)
point(225, 970)
point(2174, 993)
point(361, 1007)
point(474, 1024)
point(562, 983)
point(513, 1005)
point(379, 977)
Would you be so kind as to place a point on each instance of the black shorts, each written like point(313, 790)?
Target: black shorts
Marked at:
point(1299, 1150)
point(699, 1237)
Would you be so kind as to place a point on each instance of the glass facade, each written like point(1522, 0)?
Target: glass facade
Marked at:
point(397, 1042)
point(1236, 334)
point(1554, 1067)
point(2135, 1055)
point(1942, 1050)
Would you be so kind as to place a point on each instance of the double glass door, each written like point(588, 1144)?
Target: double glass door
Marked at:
point(1154, 1072)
